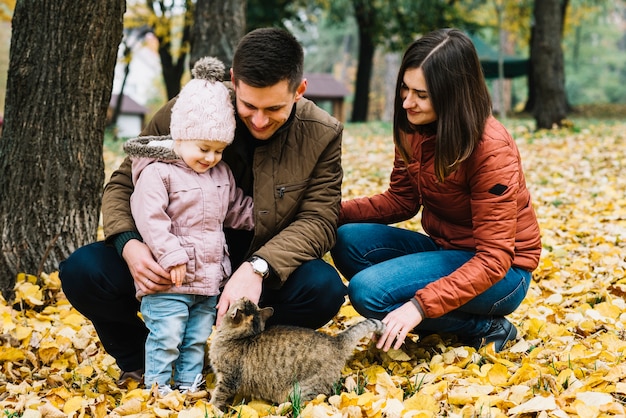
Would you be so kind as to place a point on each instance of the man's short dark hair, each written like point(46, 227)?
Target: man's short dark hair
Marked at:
point(267, 56)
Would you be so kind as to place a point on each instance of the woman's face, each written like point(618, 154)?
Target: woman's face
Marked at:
point(415, 98)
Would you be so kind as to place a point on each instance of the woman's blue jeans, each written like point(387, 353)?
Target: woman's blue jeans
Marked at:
point(386, 265)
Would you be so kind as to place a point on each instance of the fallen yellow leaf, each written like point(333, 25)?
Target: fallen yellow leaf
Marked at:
point(422, 402)
point(244, 411)
point(29, 293)
point(11, 354)
point(72, 405)
point(536, 404)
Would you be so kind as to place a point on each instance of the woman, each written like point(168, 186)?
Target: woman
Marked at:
point(457, 163)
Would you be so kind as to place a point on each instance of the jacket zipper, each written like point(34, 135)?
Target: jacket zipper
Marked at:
point(281, 190)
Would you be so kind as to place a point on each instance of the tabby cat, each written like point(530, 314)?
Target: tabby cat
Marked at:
point(260, 363)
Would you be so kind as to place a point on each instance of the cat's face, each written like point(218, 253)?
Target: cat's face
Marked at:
point(246, 318)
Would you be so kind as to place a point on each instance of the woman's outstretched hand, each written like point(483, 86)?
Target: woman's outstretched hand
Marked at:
point(398, 323)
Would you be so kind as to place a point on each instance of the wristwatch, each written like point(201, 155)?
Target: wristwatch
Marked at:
point(260, 266)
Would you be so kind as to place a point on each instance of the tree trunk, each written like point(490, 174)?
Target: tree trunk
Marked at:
point(535, 50)
point(51, 168)
point(530, 101)
point(548, 69)
point(172, 69)
point(363, 75)
point(218, 27)
point(172, 62)
point(363, 14)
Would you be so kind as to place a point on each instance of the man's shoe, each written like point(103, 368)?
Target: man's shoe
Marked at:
point(127, 377)
point(500, 333)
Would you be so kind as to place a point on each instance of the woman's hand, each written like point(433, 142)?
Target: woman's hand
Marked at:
point(398, 323)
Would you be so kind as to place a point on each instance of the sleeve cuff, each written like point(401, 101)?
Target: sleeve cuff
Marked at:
point(120, 240)
point(418, 306)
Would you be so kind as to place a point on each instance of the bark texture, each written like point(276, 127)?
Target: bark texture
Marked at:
point(59, 82)
point(548, 70)
point(218, 27)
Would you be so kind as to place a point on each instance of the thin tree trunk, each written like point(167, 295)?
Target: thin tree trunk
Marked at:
point(51, 168)
point(530, 101)
point(172, 62)
point(172, 69)
point(363, 12)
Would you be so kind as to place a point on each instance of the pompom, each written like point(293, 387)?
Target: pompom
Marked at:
point(208, 68)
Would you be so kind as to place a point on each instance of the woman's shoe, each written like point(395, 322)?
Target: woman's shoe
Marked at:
point(500, 333)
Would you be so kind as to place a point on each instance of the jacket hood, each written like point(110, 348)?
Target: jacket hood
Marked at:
point(157, 147)
point(144, 150)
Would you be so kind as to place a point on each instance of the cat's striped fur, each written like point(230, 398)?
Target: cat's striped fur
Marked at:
point(260, 363)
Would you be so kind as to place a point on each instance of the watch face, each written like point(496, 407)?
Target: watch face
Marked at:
point(261, 265)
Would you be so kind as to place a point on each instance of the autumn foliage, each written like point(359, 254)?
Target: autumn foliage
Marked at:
point(569, 360)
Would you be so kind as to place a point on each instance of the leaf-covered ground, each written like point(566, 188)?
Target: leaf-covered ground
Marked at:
point(568, 361)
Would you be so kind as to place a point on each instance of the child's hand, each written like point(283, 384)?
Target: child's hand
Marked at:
point(177, 274)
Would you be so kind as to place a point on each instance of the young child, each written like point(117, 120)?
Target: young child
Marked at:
point(183, 197)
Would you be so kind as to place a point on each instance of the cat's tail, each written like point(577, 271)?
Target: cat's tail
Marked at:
point(351, 336)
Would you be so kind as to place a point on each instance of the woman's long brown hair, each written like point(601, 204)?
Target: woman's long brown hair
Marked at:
point(458, 93)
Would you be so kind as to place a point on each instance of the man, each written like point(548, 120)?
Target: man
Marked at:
point(287, 155)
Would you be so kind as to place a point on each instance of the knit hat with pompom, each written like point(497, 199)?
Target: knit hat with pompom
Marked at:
point(203, 110)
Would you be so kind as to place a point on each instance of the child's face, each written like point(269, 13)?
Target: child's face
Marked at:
point(200, 155)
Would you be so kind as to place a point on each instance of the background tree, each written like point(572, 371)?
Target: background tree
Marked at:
point(188, 30)
point(594, 38)
point(51, 169)
point(171, 23)
point(547, 64)
point(218, 26)
point(575, 17)
point(392, 25)
point(505, 26)
point(369, 26)
point(174, 40)
point(132, 38)
point(266, 13)
point(6, 13)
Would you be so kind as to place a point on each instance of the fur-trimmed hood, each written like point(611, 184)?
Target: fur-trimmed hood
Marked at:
point(145, 150)
point(156, 147)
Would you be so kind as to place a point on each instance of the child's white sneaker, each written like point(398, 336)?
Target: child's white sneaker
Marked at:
point(194, 387)
point(164, 390)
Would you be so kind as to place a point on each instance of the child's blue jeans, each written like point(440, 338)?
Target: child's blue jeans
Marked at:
point(179, 326)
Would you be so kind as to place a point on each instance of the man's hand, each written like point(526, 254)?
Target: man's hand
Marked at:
point(147, 273)
point(243, 283)
point(398, 323)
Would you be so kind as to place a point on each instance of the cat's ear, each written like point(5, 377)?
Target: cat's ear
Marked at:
point(266, 313)
point(236, 315)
